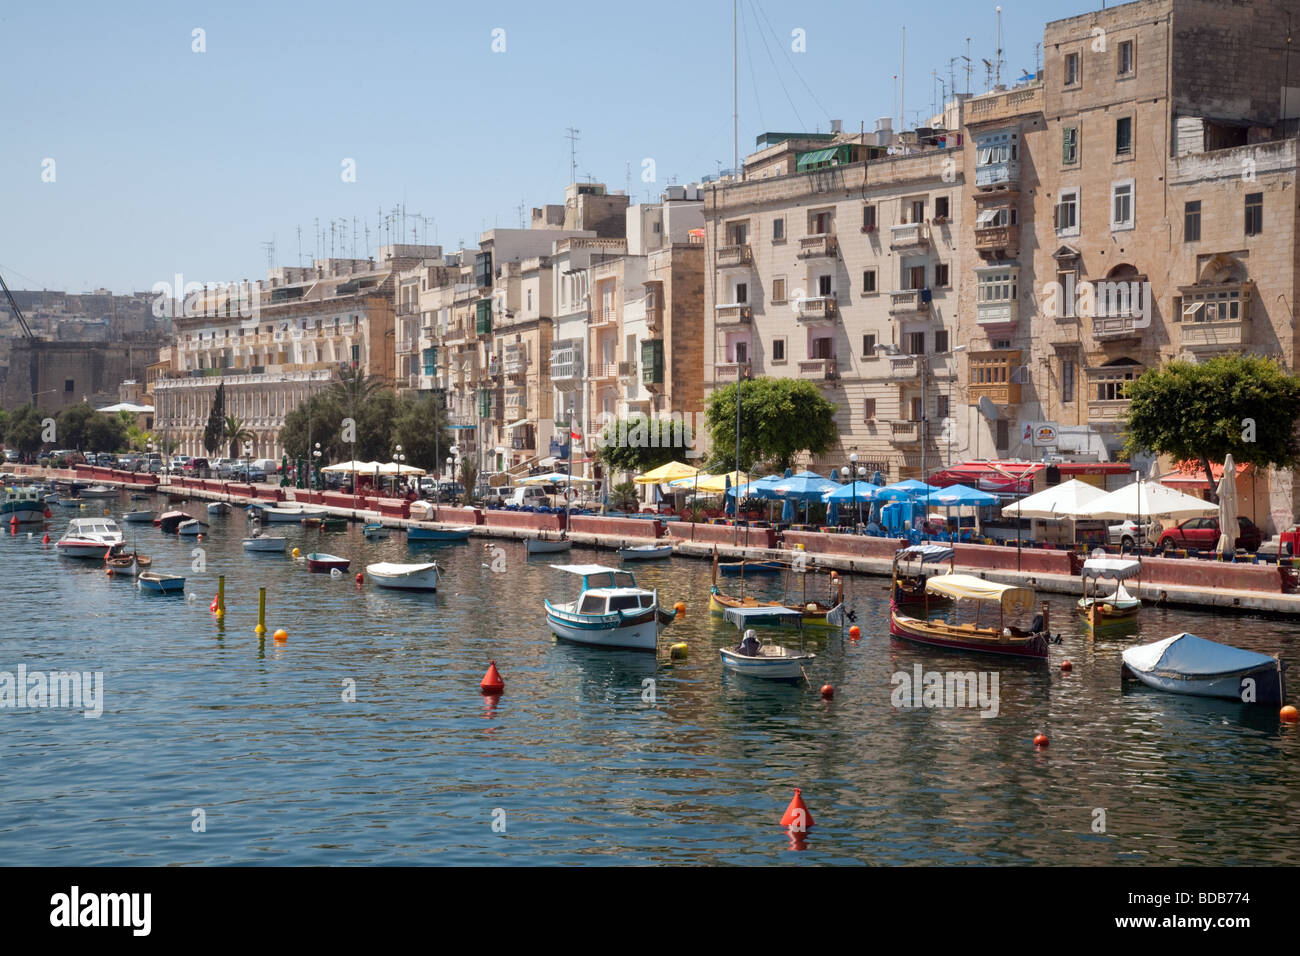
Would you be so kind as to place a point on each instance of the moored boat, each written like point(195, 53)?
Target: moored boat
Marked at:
point(137, 517)
point(1000, 638)
point(1116, 608)
point(1187, 664)
point(265, 542)
point(546, 546)
point(764, 660)
point(375, 530)
point(218, 508)
point(438, 534)
point(813, 611)
point(168, 521)
point(98, 491)
point(909, 586)
point(294, 513)
point(25, 505)
point(750, 567)
point(318, 562)
point(192, 527)
point(160, 583)
point(404, 577)
point(609, 611)
point(132, 563)
point(90, 538)
point(646, 552)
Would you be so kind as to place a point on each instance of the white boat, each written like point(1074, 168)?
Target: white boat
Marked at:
point(24, 504)
point(646, 552)
point(218, 508)
point(90, 538)
point(138, 517)
point(765, 660)
point(192, 527)
point(98, 491)
point(265, 542)
point(544, 546)
point(1187, 664)
point(294, 513)
point(1121, 606)
point(404, 577)
point(609, 611)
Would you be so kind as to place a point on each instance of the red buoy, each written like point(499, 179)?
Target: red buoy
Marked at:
point(796, 814)
point(46, 539)
point(1040, 741)
point(1066, 666)
point(855, 633)
point(360, 578)
point(492, 682)
point(214, 605)
point(827, 691)
point(1289, 714)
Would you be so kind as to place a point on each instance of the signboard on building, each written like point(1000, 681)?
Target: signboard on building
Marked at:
point(1040, 434)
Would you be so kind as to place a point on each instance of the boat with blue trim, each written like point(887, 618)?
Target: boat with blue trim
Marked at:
point(609, 611)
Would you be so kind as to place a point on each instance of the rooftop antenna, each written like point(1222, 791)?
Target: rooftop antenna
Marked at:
point(1038, 59)
point(968, 65)
point(735, 97)
point(902, 81)
point(317, 223)
point(988, 74)
point(573, 154)
point(521, 214)
point(269, 249)
point(998, 80)
point(300, 247)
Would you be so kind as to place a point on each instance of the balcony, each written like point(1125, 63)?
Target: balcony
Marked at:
point(602, 371)
point(408, 308)
point(494, 368)
point(997, 174)
point(994, 375)
point(1108, 412)
point(600, 318)
point(905, 433)
point(627, 371)
point(818, 370)
point(734, 314)
point(1117, 328)
point(734, 255)
point(566, 368)
point(997, 239)
point(904, 366)
point(909, 302)
point(725, 372)
point(909, 235)
point(997, 315)
point(819, 246)
point(818, 308)
point(1220, 334)
point(515, 362)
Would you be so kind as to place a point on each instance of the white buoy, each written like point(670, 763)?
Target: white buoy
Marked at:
point(335, 573)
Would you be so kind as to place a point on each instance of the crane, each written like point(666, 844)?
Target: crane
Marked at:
point(18, 313)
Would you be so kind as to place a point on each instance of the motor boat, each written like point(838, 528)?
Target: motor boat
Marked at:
point(90, 538)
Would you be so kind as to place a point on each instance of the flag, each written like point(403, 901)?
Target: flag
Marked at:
point(576, 436)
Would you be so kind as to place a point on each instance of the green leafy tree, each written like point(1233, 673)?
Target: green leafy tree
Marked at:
point(417, 424)
point(24, 428)
point(215, 430)
point(469, 477)
point(779, 418)
point(236, 432)
point(1245, 405)
point(104, 433)
point(137, 439)
point(315, 420)
point(639, 443)
point(74, 423)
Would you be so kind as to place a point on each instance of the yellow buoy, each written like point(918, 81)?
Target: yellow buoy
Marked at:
point(677, 652)
point(297, 553)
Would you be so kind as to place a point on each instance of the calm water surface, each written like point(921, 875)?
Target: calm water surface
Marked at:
point(258, 735)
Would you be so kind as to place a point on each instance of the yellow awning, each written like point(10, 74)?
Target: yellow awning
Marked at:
point(666, 473)
point(970, 588)
point(710, 484)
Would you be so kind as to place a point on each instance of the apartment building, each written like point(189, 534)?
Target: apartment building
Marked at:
point(834, 261)
point(1132, 206)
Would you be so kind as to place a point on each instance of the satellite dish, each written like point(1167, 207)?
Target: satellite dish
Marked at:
point(988, 409)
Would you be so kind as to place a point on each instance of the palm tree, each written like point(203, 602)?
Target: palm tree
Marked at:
point(236, 433)
point(353, 388)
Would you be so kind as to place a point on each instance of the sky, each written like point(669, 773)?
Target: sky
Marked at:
point(165, 160)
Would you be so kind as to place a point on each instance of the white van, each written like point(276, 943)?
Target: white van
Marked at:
point(533, 495)
point(268, 465)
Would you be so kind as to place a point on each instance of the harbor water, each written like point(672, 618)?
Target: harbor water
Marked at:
point(363, 739)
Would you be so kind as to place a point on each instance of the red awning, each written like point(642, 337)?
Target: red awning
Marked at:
point(1191, 474)
point(1006, 477)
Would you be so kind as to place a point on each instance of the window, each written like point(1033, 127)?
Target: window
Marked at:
point(869, 281)
point(1254, 214)
point(941, 207)
point(997, 286)
point(868, 218)
point(869, 409)
point(778, 290)
point(918, 210)
point(1111, 382)
point(1066, 279)
point(1071, 69)
point(1002, 438)
point(918, 410)
point(1192, 221)
point(1124, 59)
point(737, 233)
point(1067, 381)
point(821, 347)
point(941, 275)
point(741, 349)
point(1067, 212)
point(824, 287)
point(819, 223)
point(941, 406)
point(742, 292)
point(778, 351)
point(869, 345)
point(941, 340)
point(778, 230)
point(915, 343)
point(914, 277)
point(68, 384)
point(1124, 136)
point(1069, 145)
point(1121, 205)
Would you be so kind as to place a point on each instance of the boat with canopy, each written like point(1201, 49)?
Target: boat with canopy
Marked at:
point(909, 587)
point(997, 637)
point(1115, 608)
point(609, 611)
point(815, 611)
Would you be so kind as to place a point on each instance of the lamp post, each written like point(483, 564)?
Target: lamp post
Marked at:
point(399, 459)
point(313, 469)
point(853, 470)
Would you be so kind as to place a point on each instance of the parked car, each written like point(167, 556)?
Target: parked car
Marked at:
point(154, 466)
point(1203, 535)
point(1125, 534)
point(268, 466)
point(197, 468)
point(500, 495)
point(225, 467)
point(11, 454)
point(248, 473)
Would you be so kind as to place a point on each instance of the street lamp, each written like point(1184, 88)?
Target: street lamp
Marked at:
point(313, 467)
point(399, 459)
point(853, 470)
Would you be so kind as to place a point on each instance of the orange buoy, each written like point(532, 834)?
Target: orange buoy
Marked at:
point(855, 633)
point(492, 682)
point(281, 635)
point(1040, 740)
point(360, 578)
point(680, 608)
point(200, 537)
point(1066, 666)
point(796, 814)
point(46, 539)
point(827, 691)
point(1289, 714)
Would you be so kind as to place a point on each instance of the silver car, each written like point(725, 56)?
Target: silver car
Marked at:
point(1125, 534)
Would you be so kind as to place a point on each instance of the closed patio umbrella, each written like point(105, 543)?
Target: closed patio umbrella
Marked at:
point(1228, 507)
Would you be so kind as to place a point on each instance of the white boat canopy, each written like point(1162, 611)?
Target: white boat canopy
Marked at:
point(599, 576)
point(744, 616)
point(970, 588)
point(1118, 569)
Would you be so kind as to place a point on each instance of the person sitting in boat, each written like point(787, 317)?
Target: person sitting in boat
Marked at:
point(749, 644)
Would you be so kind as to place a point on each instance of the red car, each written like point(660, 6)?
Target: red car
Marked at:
point(1202, 534)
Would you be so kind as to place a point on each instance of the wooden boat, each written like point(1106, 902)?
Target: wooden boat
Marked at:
point(1117, 608)
point(192, 527)
point(318, 562)
point(1187, 664)
point(271, 513)
point(546, 546)
point(137, 517)
point(909, 586)
point(160, 583)
point(609, 611)
point(404, 577)
point(90, 538)
point(750, 567)
point(438, 534)
point(761, 659)
point(132, 563)
point(265, 542)
point(375, 530)
point(325, 522)
point(25, 505)
point(168, 521)
point(646, 552)
point(813, 612)
point(218, 508)
point(999, 638)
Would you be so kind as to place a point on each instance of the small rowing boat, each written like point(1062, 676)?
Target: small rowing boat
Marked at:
point(218, 508)
point(160, 583)
point(192, 527)
point(1187, 664)
point(545, 546)
point(750, 567)
point(265, 542)
point(404, 577)
point(646, 552)
point(375, 530)
point(137, 517)
point(318, 562)
point(438, 534)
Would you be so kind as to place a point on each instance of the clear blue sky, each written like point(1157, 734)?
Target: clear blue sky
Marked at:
point(173, 161)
